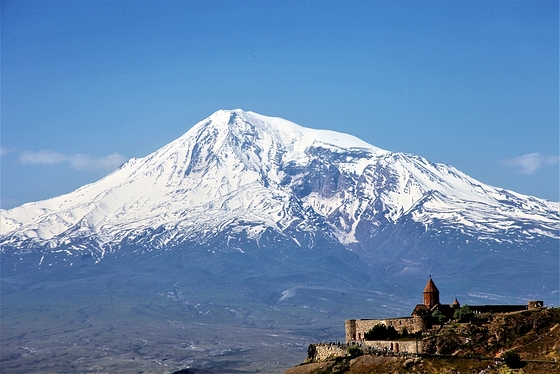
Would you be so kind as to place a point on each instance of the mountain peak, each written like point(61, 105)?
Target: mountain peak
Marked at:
point(284, 130)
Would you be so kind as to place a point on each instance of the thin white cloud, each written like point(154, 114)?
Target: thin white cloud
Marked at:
point(4, 151)
point(77, 161)
point(530, 162)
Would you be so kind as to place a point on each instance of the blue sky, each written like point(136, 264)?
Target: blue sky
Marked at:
point(88, 85)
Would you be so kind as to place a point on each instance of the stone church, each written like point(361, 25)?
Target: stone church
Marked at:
point(420, 319)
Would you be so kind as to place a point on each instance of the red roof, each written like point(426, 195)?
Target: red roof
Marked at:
point(431, 287)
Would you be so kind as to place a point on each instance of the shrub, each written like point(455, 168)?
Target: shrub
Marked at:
point(463, 314)
point(513, 360)
point(354, 351)
point(381, 332)
point(439, 317)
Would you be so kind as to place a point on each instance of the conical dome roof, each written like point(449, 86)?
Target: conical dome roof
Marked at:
point(431, 286)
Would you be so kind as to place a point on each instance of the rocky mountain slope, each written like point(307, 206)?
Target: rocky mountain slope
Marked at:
point(474, 347)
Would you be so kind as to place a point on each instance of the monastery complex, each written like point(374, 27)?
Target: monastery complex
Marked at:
point(420, 319)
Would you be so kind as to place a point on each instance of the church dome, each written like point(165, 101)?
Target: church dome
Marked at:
point(431, 294)
point(431, 286)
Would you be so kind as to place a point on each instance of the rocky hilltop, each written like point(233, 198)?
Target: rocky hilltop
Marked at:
point(489, 343)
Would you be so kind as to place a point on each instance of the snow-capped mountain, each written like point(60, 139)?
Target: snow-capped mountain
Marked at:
point(229, 168)
point(249, 236)
point(239, 177)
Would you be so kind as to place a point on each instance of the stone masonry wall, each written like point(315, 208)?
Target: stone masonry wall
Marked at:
point(324, 352)
point(400, 346)
point(356, 328)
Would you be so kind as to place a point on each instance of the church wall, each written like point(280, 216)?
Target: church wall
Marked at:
point(329, 351)
point(356, 328)
point(324, 352)
point(399, 346)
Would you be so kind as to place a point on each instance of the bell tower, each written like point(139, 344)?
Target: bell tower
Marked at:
point(431, 294)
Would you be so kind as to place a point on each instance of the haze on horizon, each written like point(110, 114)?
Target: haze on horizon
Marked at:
point(88, 85)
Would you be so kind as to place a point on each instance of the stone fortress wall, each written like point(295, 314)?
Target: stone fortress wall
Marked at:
point(326, 351)
point(356, 328)
point(399, 346)
point(329, 351)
